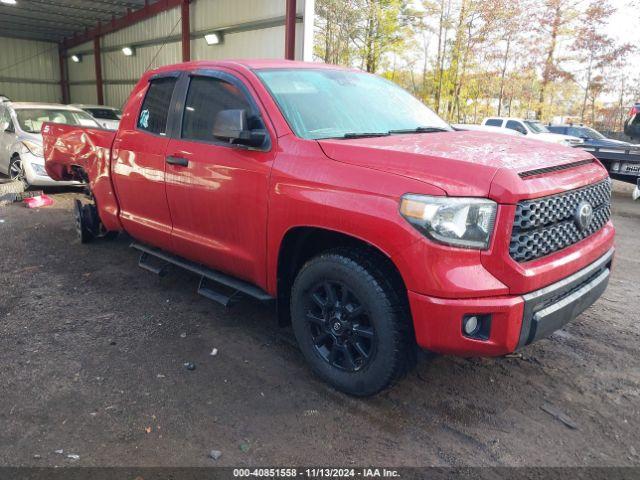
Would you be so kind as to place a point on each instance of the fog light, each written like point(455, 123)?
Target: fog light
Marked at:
point(477, 327)
point(471, 325)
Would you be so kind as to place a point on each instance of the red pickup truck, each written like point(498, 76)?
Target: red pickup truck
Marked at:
point(373, 224)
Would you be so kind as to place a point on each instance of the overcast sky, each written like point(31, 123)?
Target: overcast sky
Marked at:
point(625, 26)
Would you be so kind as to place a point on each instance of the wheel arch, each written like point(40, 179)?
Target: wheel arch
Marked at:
point(301, 243)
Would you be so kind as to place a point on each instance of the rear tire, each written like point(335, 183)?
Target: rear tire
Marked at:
point(82, 217)
point(352, 322)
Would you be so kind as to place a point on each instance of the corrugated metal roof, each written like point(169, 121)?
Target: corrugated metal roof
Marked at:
point(53, 20)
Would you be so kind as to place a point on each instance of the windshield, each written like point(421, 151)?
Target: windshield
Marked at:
point(585, 132)
point(104, 113)
point(31, 119)
point(536, 127)
point(337, 103)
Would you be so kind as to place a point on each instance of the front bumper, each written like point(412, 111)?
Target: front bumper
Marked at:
point(36, 174)
point(515, 320)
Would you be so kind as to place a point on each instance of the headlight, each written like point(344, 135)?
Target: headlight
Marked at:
point(34, 148)
point(462, 222)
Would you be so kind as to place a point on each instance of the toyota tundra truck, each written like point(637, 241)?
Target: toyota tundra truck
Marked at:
point(372, 225)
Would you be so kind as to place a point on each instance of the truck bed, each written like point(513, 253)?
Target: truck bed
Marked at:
point(79, 153)
point(69, 149)
point(623, 163)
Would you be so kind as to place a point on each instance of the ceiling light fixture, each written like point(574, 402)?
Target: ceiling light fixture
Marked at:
point(76, 58)
point(128, 51)
point(213, 38)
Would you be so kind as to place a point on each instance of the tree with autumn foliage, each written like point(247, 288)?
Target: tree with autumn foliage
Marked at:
point(597, 51)
point(469, 59)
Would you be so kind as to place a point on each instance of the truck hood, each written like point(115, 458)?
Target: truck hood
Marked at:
point(554, 137)
point(461, 163)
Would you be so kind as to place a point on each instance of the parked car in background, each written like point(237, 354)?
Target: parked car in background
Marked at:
point(590, 137)
point(372, 223)
point(107, 117)
point(632, 125)
point(21, 156)
point(532, 128)
point(486, 128)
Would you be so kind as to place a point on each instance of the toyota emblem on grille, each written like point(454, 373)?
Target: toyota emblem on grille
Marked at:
point(584, 215)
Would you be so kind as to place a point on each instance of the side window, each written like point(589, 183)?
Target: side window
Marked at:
point(206, 97)
point(494, 122)
point(155, 108)
point(517, 126)
point(5, 116)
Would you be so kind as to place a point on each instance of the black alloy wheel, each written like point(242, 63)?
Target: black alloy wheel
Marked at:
point(350, 316)
point(339, 325)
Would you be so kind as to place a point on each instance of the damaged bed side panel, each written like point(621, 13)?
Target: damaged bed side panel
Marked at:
point(79, 153)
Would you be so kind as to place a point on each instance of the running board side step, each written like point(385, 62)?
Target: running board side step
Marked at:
point(208, 277)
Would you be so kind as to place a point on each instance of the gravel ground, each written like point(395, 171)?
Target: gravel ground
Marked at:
point(93, 350)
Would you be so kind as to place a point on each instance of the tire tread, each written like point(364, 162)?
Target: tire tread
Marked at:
point(379, 274)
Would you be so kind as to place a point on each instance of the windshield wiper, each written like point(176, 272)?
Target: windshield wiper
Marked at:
point(419, 130)
point(365, 134)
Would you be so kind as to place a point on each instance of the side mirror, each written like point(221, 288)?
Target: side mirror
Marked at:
point(232, 125)
point(4, 126)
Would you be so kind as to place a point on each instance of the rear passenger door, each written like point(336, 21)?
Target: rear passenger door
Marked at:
point(218, 191)
point(138, 166)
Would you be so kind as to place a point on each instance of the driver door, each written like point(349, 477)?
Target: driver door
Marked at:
point(217, 191)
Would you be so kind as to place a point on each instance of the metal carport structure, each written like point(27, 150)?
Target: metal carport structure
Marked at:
point(87, 37)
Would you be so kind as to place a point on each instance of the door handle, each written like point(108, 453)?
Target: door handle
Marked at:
point(179, 161)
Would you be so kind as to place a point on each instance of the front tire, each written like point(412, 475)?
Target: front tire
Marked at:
point(16, 171)
point(352, 322)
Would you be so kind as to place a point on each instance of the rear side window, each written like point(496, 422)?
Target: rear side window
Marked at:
point(103, 113)
point(517, 126)
point(155, 108)
point(494, 122)
point(5, 117)
point(206, 97)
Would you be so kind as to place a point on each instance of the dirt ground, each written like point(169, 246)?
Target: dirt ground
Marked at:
point(92, 351)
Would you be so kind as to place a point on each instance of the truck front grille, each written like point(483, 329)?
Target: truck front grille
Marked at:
point(546, 225)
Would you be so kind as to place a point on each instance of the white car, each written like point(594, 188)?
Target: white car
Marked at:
point(107, 117)
point(532, 129)
point(486, 128)
point(21, 155)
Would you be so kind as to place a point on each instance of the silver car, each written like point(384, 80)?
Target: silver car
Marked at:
point(107, 117)
point(21, 155)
